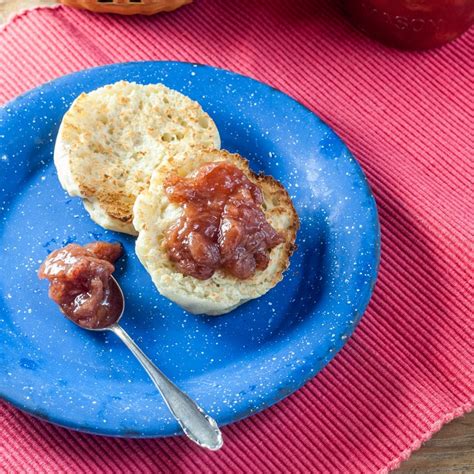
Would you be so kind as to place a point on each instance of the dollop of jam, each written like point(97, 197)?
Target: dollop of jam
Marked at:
point(222, 226)
point(81, 283)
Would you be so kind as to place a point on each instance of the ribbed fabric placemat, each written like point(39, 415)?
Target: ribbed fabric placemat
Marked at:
point(408, 118)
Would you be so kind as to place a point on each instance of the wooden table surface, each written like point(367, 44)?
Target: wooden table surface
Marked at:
point(450, 450)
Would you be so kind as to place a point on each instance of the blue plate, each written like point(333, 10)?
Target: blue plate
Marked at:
point(233, 365)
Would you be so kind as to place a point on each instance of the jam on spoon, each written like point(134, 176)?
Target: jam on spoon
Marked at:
point(81, 283)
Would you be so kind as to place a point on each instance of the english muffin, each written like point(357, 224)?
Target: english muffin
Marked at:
point(155, 214)
point(112, 138)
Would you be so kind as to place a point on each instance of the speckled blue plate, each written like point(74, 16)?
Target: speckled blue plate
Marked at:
point(233, 365)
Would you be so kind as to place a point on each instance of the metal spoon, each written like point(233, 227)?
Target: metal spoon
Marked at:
point(197, 425)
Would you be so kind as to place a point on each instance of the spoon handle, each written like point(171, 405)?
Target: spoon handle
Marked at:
point(196, 424)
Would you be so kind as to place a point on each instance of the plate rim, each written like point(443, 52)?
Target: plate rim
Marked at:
point(63, 422)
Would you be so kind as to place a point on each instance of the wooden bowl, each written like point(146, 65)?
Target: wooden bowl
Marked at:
point(127, 7)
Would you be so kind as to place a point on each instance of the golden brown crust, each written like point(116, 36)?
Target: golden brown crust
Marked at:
point(116, 203)
point(270, 185)
point(147, 8)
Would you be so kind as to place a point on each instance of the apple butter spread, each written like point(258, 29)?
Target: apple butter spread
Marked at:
point(222, 226)
point(81, 283)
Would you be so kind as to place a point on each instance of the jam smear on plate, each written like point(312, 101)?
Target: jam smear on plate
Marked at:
point(223, 225)
point(81, 283)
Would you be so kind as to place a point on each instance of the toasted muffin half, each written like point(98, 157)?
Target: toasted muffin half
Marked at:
point(112, 138)
point(154, 214)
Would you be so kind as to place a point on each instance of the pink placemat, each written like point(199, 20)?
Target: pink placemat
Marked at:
point(408, 119)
